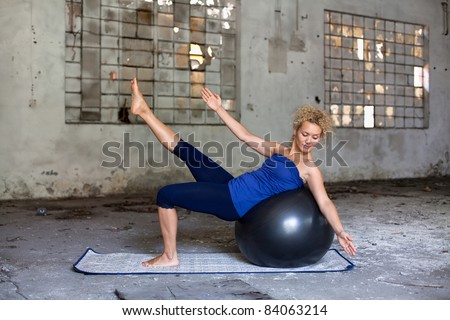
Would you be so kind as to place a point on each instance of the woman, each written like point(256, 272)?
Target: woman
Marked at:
point(217, 192)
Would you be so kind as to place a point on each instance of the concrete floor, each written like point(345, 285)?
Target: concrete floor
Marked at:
point(401, 229)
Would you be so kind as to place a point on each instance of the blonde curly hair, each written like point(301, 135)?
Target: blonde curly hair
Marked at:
point(313, 115)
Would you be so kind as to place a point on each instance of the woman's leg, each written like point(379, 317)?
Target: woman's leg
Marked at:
point(163, 133)
point(212, 198)
point(168, 222)
point(206, 197)
point(203, 168)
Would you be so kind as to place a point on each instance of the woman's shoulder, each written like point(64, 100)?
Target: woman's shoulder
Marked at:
point(311, 171)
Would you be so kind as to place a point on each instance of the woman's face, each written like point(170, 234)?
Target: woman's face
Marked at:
point(307, 136)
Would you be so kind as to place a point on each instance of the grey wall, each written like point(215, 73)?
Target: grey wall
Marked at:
point(41, 156)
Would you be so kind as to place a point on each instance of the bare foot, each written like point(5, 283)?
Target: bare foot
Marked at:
point(162, 261)
point(138, 104)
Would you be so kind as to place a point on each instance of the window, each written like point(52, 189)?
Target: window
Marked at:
point(376, 72)
point(174, 48)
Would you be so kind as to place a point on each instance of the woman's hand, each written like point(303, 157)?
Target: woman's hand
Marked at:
point(347, 243)
point(213, 100)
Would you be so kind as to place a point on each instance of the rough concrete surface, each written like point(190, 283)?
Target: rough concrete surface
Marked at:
point(401, 229)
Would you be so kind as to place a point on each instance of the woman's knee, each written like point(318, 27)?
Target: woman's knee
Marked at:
point(164, 199)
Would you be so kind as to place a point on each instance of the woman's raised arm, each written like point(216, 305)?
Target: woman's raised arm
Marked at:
point(266, 148)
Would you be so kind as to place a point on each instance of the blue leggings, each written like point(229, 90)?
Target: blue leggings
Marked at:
point(210, 194)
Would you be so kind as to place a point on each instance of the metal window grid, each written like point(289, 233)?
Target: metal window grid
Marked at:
point(375, 71)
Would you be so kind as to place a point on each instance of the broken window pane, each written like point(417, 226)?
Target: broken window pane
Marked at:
point(164, 43)
point(369, 118)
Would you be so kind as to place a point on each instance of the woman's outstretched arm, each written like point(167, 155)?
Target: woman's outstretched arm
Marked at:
point(329, 210)
point(266, 148)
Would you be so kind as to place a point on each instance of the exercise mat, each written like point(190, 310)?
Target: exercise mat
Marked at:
point(92, 262)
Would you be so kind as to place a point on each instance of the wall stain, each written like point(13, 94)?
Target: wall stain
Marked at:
point(49, 173)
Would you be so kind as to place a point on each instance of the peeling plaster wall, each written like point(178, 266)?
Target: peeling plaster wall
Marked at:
point(41, 156)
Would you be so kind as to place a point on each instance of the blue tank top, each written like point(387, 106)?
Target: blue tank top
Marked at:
point(277, 174)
